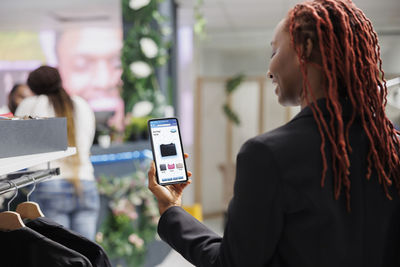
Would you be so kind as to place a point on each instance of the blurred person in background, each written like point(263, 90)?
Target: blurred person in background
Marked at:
point(90, 66)
point(70, 199)
point(323, 189)
point(18, 93)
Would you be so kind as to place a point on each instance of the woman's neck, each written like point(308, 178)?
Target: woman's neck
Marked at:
point(316, 82)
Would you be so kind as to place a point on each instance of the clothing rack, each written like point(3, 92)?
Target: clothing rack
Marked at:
point(26, 178)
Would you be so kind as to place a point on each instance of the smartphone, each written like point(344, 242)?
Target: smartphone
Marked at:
point(166, 144)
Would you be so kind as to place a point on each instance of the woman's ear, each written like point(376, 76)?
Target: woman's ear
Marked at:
point(308, 47)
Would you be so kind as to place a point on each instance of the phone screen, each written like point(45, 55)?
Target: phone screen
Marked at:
point(167, 151)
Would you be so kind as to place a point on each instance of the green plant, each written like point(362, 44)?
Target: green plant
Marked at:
point(144, 50)
point(136, 126)
point(230, 86)
point(132, 221)
point(200, 21)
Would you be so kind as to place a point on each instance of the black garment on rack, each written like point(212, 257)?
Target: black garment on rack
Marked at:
point(70, 239)
point(26, 248)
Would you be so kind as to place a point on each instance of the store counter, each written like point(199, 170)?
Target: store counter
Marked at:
point(117, 160)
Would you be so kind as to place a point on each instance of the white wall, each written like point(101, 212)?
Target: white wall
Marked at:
point(390, 53)
point(225, 55)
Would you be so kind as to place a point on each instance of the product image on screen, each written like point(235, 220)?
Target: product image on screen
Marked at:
point(179, 165)
point(167, 151)
point(171, 166)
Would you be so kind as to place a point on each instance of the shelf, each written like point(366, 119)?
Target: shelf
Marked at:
point(13, 164)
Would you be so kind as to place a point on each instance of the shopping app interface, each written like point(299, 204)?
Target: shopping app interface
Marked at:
point(168, 151)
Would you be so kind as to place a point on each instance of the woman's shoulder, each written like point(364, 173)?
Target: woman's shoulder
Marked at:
point(35, 99)
point(82, 109)
point(32, 105)
point(79, 101)
point(291, 137)
point(295, 129)
point(266, 141)
point(81, 104)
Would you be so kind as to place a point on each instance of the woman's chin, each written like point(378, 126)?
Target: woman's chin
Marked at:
point(277, 91)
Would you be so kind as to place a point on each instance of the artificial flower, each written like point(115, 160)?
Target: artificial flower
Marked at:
point(149, 47)
point(124, 207)
point(138, 4)
point(142, 109)
point(136, 240)
point(140, 69)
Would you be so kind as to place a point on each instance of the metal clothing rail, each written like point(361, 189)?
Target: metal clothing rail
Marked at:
point(27, 179)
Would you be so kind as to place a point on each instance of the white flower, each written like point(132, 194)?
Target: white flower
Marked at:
point(149, 47)
point(166, 31)
point(140, 69)
point(142, 109)
point(138, 4)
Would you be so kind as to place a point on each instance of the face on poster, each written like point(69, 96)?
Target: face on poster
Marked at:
point(90, 66)
point(88, 59)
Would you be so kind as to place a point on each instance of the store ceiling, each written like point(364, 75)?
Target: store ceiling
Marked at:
point(221, 15)
point(55, 14)
point(262, 15)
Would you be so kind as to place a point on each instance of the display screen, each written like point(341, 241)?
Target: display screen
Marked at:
point(167, 151)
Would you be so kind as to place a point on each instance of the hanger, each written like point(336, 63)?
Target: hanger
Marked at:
point(29, 210)
point(10, 220)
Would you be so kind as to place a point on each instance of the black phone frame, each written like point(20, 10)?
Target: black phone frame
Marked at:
point(153, 150)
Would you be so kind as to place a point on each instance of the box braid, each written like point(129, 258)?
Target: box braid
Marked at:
point(351, 63)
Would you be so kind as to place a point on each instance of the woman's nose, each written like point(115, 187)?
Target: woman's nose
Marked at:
point(269, 75)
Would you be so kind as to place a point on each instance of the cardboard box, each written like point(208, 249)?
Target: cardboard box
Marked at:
point(23, 137)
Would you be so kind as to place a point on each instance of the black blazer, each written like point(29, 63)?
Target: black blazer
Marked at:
point(281, 216)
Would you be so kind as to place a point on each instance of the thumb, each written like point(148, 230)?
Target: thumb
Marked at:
point(152, 175)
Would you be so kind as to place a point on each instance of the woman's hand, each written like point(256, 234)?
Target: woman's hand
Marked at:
point(169, 195)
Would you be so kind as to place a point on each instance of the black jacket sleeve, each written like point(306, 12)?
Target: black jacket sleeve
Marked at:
point(255, 217)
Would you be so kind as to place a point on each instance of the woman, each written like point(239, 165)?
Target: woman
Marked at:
point(18, 93)
point(72, 198)
point(321, 190)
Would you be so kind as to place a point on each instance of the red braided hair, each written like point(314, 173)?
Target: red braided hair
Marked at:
point(351, 63)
